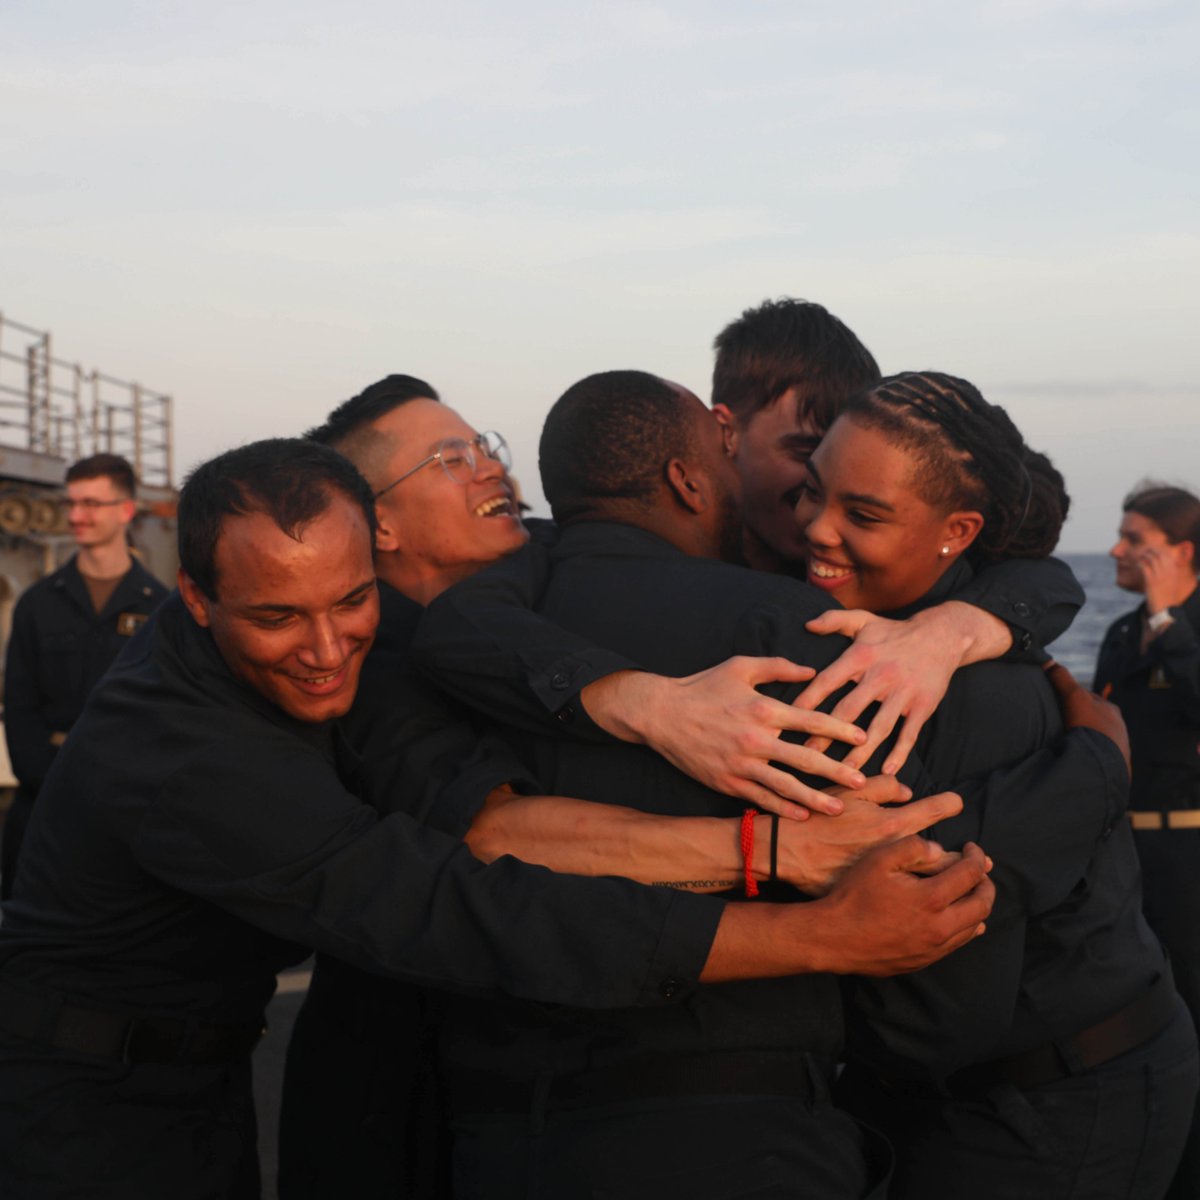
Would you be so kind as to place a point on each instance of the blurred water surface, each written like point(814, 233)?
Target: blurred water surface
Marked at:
point(1077, 648)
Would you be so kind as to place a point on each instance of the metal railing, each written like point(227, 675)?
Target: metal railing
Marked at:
point(51, 406)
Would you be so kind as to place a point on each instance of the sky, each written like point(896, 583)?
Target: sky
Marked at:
point(260, 208)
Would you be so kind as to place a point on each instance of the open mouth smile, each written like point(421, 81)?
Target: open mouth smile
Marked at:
point(497, 506)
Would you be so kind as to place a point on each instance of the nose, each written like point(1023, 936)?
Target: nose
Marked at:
point(813, 521)
point(487, 467)
point(1117, 550)
point(326, 647)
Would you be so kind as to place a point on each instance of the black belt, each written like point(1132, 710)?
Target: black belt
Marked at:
point(772, 1073)
point(54, 1019)
point(1125, 1030)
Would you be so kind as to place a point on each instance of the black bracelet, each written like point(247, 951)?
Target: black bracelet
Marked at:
point(774, 875)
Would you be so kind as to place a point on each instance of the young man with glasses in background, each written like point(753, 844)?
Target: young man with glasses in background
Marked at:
point(67, 629)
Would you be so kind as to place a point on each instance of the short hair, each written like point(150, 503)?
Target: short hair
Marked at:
point(1174, 510)
point(784, 344)
point(969, 455)
point(348, 428)
point(291, 480)
point(609, 438)
point(105, 466)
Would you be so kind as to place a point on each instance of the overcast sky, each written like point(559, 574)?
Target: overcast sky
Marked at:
point(262, 207)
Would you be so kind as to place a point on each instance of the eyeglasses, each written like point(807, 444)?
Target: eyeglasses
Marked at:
point(458, 457)
point(88, 505)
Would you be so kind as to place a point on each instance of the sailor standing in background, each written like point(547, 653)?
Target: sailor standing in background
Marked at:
point(66, 631)
point(1149, 666)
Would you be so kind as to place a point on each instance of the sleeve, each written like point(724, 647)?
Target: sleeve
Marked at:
point(960, 1009)
point(275, 840)
point(482, 643)
point(25, 728)
point(411, 750)
point(1036, 598)
point(1177, 650)
point(1072, 793)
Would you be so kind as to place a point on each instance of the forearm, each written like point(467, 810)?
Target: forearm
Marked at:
point(580, 837)
point(970, 633)
point(482, 642)
point(884, 918)
point(1177, 649)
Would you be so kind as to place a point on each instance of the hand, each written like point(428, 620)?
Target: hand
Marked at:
point(888, 915)
point(905, 665)
point(1082, 709)
point(716, 727)
point(1169, 575)
point(814, 855)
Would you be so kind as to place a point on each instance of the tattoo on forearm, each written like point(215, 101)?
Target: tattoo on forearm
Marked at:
point(685, 884)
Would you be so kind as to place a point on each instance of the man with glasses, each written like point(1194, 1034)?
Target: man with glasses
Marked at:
point(67, 629)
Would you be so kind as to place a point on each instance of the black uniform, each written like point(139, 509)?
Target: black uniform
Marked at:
point(58, 648)
point(361, 1113)
point(487, 646)
point(1078, 1067)
point(191, 840)
point(729, 1091)
point(1158, 693)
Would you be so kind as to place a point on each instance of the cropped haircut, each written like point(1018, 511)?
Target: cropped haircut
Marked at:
point(348, 429)
point(105, 466)
point(291, 480)
point(1174, 510)
point(785, 344)
point(969, 456)
point(609, 437)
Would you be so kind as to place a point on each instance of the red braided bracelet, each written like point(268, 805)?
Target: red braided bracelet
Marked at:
point(748, 851)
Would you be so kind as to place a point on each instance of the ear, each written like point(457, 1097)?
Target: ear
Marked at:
point(196, 602)
point(729, 429)
point(386, 539)
point(129, 510)
point(1186, 552)
point(689, 488)
point(959, 530)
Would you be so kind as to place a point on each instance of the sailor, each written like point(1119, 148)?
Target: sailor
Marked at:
point(67, 629)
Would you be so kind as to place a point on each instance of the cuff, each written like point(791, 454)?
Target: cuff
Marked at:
point(491, 766)
point(558, 687)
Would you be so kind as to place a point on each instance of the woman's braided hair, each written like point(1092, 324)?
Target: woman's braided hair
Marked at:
point(969, 456)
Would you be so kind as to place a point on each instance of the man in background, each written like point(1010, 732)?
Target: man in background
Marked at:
point(67, 629)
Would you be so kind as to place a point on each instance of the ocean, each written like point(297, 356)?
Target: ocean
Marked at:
point(1077, 648)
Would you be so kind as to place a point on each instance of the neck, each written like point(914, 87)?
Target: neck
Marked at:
point(104, 562)
point(684, 533)
point(759, 555)
point(422, 584)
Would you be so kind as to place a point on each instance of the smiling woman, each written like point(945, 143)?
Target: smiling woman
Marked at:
point(917, 471)
point(1048, 1058)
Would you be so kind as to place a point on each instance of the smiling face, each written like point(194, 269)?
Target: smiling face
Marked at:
point(872, 541)
point(434, 531)
point(293, 619)
point(770, 450)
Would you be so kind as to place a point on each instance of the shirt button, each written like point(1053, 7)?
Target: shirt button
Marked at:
point(566, 713)
point(560, 681)
point(1022, 609)
point(1025, 641)
point(669, 988)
